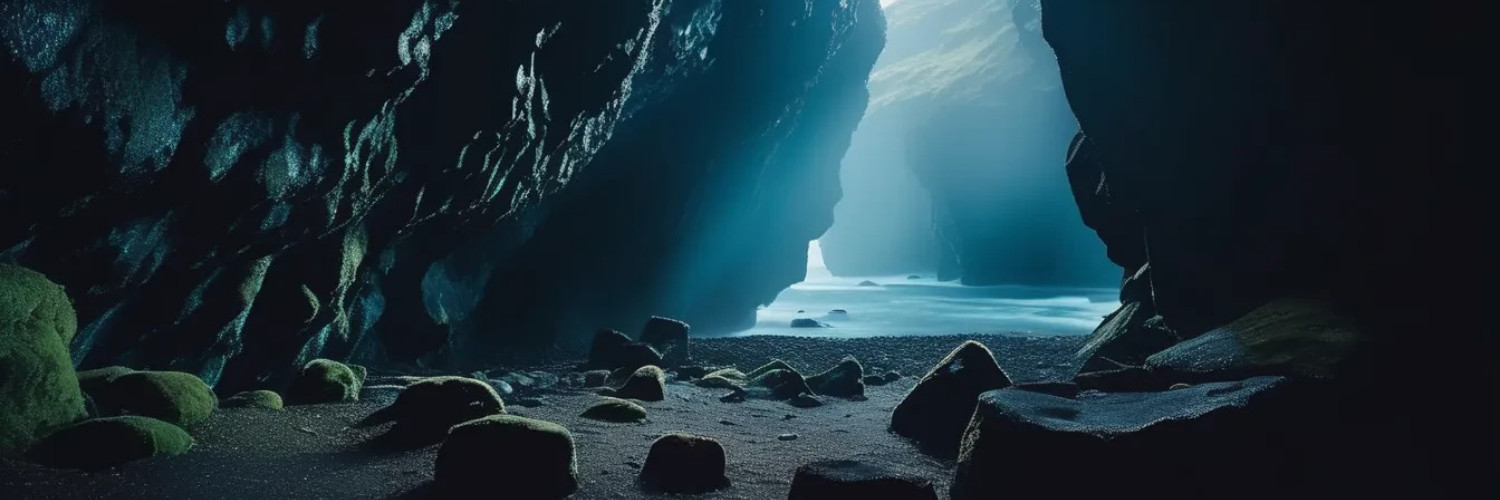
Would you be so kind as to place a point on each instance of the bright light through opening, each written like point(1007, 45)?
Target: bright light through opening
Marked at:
point(816, 269)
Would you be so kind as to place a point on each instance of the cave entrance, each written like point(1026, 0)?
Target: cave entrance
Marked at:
point(956, 215)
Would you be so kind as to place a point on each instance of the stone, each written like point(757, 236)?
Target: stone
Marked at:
point(913, 276)
point(874, 380)
point(98, 378)
point(892, 376)
point(692, 372)
point(684, 463)
point(780, 383)
point(805, 401)
point(1059, 389)
point(1210, 436)
point(1289, 336)
point(843, 380)
point(612, 350)
point(178, 398)
point(595, 378)
point(936, 411)
point(424, 411)
point(648, 383)
point(39, 391)
point(857, 480)
point(1128, 379)
point(787, 437)
point(261, 398)
point(717, 381)
point(615, 410)
point(868, 283)
point(528, 455)
point(325, 381)
point(1130, 333)
point(670, 337)
point(839, 313)
point(102, 443)
point(774, 364)
point(808, 323)
point(737, 395)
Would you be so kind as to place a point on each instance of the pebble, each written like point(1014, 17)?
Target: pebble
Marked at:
point(787, 437)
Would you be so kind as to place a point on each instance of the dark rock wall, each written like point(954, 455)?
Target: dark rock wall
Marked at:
point(1251, 149)
point(967, 99)
point(231, 188)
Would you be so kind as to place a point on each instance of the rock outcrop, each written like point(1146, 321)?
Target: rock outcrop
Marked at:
point(938, 408)
point(255, 185)
point(39, 391)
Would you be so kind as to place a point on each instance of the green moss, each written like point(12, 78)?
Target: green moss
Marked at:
point(176, 397)
point(38, 389)
point(775, 364)
point(648, 383)
point(269, 400)
point(844, 380)
point(784, 383)
point(106, 442)
point(615, 410)
point(93, 380)
point(325, 381)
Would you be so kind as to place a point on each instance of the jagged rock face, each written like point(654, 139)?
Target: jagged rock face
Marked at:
point(968, 100)
point(233, 188)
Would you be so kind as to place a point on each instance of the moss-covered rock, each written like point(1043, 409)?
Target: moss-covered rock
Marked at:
point(520, 453)
point(38, 389)
point(615, 410)
point(781, 383)
point(938, 409)
point(844, 380)
point(179, 398)
point(95, 379)
point(774, 364)
point(325, 381)
point(106, 442)
point(426, 410)
point(648, 383)
point(269, 400)
point(684, 463)
point(595, 378)
point(715, 381)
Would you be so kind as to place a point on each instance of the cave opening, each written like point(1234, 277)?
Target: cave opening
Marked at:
point(956, 213)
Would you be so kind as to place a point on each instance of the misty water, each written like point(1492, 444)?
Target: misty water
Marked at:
point(901, 305)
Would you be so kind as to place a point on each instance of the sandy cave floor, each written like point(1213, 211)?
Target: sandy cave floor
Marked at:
point(311, 451)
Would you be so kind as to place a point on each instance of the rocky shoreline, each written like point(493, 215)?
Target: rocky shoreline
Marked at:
point(319, 451)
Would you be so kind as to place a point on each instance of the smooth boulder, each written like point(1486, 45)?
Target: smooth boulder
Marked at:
point(936, 411)
point(262, 398)
point(808, 323)
point(648, 383)
point(780, 383)
point(844, 380)
point(615, 410)
point(670, 337)
point(102, 443)
point(325, 381)
point(93, 380)
point(178, 398)
point(1210, 438)
point(857, 480)
point(507, 451)
point(684, 463)
point(39, 390)
point(425, 411)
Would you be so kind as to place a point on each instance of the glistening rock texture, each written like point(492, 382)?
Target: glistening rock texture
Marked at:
point(1252, 150)
point(234, 188)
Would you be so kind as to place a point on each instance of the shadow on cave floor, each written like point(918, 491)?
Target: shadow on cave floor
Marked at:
point(904, 305)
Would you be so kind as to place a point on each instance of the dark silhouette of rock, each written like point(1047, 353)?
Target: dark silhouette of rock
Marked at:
point(261, 398)
point(424, 411)
point(1131, 333)
point(530, 455)
point(325, 381)
point(1296, 337)
point(683, 463)
point(779, 383)
point(808, 323)
point(936, 411)
point(615, 410)
point(670, 337)
point(178, 398)
point(805, 400)
point(102, 443)
point(874, 380)
point(868, 283)
point(843, 380)
point(853, 479)
point(913, 276)
point(612, 350)
point(838, 313)
point(1059, 389)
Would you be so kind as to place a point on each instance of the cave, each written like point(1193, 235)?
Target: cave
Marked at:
point(741, 249)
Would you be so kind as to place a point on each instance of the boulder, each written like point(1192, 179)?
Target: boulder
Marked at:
point(1131, 333)
point(178, 398)
point(595, 378)
point(721, 381)
point(808, 323)
point(424, 411)
point(805, 400)
point(102, 443)
point(98, 378)
point(684, 463)
point(1210, 437)
point(874, 380)
point(615, 410)
point(843, 380)
point(838, 313)
point(516, 453)
point(269, 400)
point(936, 411)
point(913, 276)
point(325, 381)
point(780, 383)
point(648, 383)
point(39, 391)
point(868, 283)
point(1289, 336)
point(670, 337)
point(774, 364)
point(692, 372)
point(612, 350)
point(853, 479)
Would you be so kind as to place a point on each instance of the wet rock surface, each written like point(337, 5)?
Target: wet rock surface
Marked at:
point(518, 452)
point(938, 409)
point(853, 479)
point(684, 463)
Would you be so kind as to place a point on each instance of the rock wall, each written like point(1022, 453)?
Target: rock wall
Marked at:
point(232, 188)
point(1242, 151)
point(968, 100)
